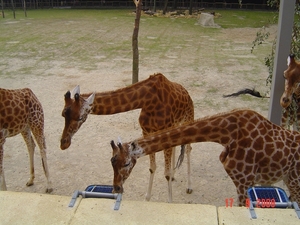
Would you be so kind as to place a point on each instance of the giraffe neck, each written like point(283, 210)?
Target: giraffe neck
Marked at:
point(125, 99)
point(221, 128)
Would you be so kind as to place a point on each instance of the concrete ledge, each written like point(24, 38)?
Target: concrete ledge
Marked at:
point(33, 208)
point(95, 211)
point(241, 215)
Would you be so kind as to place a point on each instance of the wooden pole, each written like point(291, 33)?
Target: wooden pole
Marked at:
point(2, 6)
point(13, 8)
point(135, 46)
point(25, 12)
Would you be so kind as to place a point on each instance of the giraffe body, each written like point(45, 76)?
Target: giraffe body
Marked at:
point(163, 104)
point(22, 113)
point(256, 151)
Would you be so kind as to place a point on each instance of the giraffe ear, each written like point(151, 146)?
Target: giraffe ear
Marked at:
point(75, 91)
point(90, 99)
point(89, 102)
point(119, 139)
point(291, 60)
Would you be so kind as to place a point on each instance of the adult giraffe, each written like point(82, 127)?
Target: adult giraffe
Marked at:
point(163, 104)
point(21, 112)
point(290, 99)
point(256, 151)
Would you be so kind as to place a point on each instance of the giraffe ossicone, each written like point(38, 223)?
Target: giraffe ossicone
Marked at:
point(256, 151)
point(163, 104)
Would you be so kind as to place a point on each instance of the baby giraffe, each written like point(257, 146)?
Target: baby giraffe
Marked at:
point(256, 151)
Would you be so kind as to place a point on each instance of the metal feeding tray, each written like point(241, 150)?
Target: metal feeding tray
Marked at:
point(100, 188)
point(269, 197)
point(97, 191)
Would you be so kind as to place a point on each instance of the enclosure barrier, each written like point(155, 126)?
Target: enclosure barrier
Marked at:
point(181, 4)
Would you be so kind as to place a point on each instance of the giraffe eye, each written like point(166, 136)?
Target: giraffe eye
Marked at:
point(127, 164)
point(66, 112)
point(82, 118)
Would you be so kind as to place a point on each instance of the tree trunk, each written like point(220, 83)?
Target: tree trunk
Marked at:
point(135, 47)
point(13, 8)
point(165, 7)
point(25, 12)
point(2, 6)
point(191, 7)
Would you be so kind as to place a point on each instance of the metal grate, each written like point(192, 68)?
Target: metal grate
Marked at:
point(274, 195)
point(269, 197)
point(99, 188)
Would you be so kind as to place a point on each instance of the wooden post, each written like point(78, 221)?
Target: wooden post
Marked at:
point(2, 6)
point(25, 12)
point(135, 46)
point(13, 8)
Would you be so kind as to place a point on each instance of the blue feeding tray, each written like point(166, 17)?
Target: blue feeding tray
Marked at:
point(98, 191)
point(100, 188)
point(275, 196)
point(269, 197)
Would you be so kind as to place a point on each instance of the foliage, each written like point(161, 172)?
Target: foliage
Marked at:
point(262, 36)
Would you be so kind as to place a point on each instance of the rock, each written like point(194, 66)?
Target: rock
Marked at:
point(207, 20)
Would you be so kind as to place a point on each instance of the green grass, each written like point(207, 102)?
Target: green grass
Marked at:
point(88, 39)
point(209, 62)
point(242, 18)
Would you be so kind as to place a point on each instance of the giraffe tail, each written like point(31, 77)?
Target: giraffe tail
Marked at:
point(252, 92)
point(180, 157)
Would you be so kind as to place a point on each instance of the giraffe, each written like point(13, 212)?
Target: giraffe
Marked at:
point(256, 151)
point(21, 112)
point(163, 104)
point(290, 99)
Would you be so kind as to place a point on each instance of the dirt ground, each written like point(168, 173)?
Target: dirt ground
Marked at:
point(87, 161)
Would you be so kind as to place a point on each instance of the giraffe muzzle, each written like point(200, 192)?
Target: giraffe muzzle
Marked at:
point(285, 101)
point(65, 143)
point(117, 189)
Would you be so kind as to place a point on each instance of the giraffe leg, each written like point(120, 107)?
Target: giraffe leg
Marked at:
point(173, 167)
point(152, 172)
point(2, 178)
point(241, 179)
point(241, 189)
point(189, 189)
point(40, 139)
point(293, 184)
point(168, 153)
point(30, 146)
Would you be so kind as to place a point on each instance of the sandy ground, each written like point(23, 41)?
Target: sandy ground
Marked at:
point(87, 161)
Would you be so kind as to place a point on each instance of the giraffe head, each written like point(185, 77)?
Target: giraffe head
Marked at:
point(292, 81)
point(122, 163)
point(75, 113)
